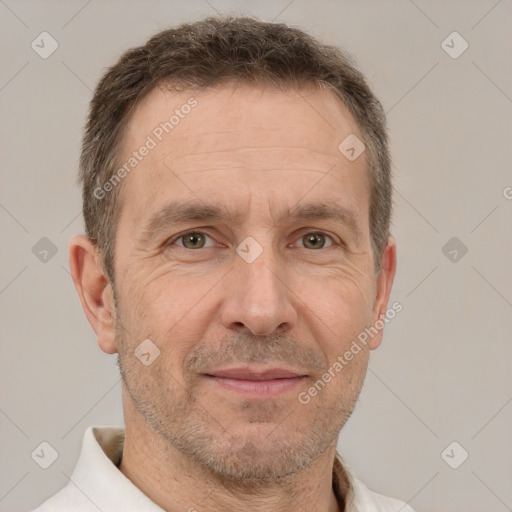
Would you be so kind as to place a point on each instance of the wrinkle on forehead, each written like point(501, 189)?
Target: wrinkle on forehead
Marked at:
point(245, 139)
point(319, 120)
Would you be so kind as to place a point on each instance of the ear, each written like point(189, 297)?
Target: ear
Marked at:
point(383, 286)
point(94, 290)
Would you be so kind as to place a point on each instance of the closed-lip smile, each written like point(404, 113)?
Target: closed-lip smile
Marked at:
point(257, 382)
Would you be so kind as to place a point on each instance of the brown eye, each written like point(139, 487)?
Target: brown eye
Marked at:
point(315, 240)
point(193, 240)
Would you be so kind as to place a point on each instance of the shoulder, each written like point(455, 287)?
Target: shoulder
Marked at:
point(68, 498)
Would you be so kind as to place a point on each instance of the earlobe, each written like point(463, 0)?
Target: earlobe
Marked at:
point(383, 290)
point(94, 290)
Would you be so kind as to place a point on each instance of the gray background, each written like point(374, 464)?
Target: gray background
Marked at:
point(443, 372)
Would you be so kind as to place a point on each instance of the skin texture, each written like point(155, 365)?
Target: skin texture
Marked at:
point(190, 442)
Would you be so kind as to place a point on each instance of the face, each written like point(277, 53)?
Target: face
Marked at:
point(243, 253)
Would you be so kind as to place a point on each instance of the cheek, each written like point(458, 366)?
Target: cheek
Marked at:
point(337, 313)
point(346, 372)
point(339, 301)
point(172, 316)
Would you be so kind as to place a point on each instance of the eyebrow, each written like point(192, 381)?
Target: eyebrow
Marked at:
point(176, 212)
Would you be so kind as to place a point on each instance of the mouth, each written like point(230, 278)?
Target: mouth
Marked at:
point(256, 383)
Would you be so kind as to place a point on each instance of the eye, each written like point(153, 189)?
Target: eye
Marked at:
point(192, 240)
point(316, 240)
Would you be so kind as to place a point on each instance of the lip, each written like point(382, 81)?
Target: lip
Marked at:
point(248, 373)
point(256, 383)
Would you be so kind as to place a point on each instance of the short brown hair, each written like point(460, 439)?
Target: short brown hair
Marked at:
point(211, 52)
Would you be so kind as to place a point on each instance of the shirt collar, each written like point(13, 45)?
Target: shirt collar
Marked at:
point(96, 475)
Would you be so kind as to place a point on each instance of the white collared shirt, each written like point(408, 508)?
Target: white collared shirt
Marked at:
point(98, 484)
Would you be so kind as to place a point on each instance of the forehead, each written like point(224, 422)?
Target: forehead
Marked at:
point(252, 141)
point(317, 115)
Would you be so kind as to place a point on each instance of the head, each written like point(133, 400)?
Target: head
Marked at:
point(226, 224)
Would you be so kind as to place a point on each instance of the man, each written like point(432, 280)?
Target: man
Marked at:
point(236, 188)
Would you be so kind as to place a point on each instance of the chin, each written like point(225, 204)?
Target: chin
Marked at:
point(257, 452)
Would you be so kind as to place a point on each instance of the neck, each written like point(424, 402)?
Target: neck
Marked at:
point(175, 482)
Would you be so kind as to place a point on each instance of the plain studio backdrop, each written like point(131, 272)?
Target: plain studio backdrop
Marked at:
point(433, 422)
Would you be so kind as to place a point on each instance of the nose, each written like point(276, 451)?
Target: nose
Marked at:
point(258, 298)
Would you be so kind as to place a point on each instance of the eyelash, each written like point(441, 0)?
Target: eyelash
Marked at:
point(182, 235)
